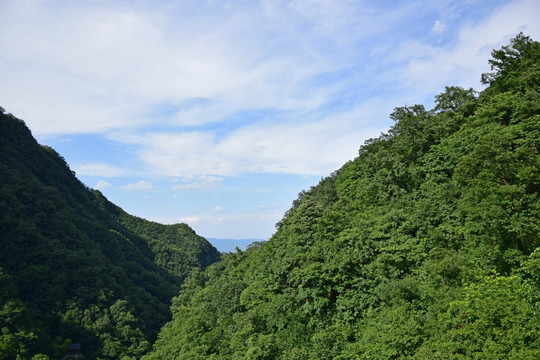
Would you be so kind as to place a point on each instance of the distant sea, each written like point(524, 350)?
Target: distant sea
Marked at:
point(228, 245)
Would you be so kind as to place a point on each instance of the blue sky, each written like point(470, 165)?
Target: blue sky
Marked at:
point(217, 113)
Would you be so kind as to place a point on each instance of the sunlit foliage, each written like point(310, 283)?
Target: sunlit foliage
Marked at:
point(423, 247)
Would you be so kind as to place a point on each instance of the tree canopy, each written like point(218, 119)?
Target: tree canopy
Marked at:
point(74, 267)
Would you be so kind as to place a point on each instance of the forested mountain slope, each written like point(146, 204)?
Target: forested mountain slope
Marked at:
point(76, 268)
point(423, 247)
point(177, 248)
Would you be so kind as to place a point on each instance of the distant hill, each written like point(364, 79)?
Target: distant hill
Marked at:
point(426, 246)
point(76, 268)
point(228, 245)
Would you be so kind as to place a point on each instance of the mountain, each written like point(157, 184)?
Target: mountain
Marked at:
point(426, 246)
point(177, 248)
point(75, 268)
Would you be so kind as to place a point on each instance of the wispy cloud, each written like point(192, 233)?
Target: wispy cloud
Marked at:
point(201, 182)
point(428, 67)
point(102, 185)
point(98, 67)
point(190, 220)
point(139, 186)
point(438, 27)
point(308, 145)
point(100, 169)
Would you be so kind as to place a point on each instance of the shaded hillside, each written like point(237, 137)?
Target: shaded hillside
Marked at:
point(177, 248)
point(423, 247)
point(76, 267)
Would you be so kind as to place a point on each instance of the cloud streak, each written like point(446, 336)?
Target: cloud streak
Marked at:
point(202, 182)
point(100, 169)
point(102, 185)
point(307, 146)
point(139, 186)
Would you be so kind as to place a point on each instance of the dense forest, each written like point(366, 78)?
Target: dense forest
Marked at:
point(74, 268)
point(423, 247)
point(426, 246)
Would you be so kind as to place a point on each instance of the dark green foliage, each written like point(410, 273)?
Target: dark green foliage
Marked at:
point(423, 247)
point(18, 338)
point(76, 267)
point(177, 248)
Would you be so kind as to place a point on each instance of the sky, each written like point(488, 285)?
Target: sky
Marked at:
point(218, 113)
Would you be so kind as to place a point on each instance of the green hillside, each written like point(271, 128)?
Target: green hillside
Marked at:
point(423, 247)
point(76, 268)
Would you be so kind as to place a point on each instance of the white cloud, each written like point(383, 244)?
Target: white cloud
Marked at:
point(190, 220)
point(102, 185)
point(194, 186)
point(209, 178)
point(305, 145)
point(218, 209)
point(140, 186)
point(201, 182)
point(264, 207)
point(438, 27)
point(100, 169)
point(97, 67)
point(100, 68)
point(285, 87)
point(305, 139)
point(430, 68)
